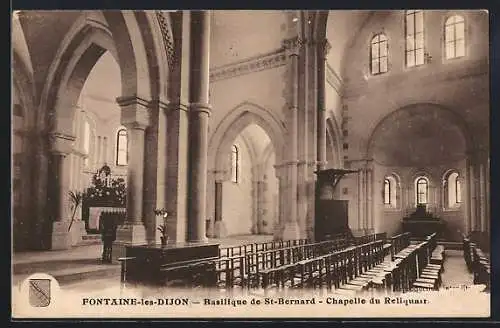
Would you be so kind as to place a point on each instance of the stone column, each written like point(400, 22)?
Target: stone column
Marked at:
point(369, 182)
point(466, 197)
point(135, 117)
point(360, 200)
point(487, 196)
point(256, 225)
point(290, 228)
point(322, 52)
point(472, 199)
point(62, 145)
point(482, 197)
point(278, 228)
point(220, 230)
point(198, 123)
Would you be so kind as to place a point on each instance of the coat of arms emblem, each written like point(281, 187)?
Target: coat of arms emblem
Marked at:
point(39, 292)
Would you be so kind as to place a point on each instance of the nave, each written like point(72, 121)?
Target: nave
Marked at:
point(344, 265)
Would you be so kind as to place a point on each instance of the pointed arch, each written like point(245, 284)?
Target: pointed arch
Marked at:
point(236, 121)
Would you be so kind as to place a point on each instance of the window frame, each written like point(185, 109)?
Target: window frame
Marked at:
point(387, 183)
point(465, 36)
point(119, 137)
point(417, 190)
point(379, 57)
point(235, 164)
point(414, 38)
point(452, 190)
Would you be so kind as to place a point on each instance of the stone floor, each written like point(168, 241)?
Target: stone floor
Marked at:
point(455, 271)
point(82, 263)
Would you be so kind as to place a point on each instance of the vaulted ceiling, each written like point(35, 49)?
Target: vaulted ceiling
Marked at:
point(235, 35)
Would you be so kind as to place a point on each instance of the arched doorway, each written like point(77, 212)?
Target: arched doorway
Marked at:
point(134, 41)
point(249, 190)
point(244, 150)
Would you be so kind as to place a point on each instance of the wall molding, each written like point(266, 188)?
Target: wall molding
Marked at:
point(251, 65)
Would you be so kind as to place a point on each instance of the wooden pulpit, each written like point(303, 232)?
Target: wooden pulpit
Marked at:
point(331, 216)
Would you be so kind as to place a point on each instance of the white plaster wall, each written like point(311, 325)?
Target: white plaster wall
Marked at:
point(237, 197)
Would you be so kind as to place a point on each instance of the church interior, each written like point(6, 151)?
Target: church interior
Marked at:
point(341, 148)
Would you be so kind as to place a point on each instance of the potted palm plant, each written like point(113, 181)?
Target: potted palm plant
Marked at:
point(75, 227)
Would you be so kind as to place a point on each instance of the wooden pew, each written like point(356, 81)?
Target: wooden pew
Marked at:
point(259, 247)
point(481, 267)
point(428, 276)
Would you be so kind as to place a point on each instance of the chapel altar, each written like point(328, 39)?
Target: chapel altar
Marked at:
point(421, 223)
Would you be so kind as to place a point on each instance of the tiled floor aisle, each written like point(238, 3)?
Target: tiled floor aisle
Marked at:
point(455, 271)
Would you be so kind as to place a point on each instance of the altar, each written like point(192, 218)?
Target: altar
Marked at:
point(422, 223)
point(149, 264)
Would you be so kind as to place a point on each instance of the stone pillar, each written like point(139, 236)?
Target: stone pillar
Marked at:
point(369, 191)
point(135, 117)
point(466, 197)
point(256, 225)
point(482, 197)
point(278, 227)
point(220, 230)
point(487, 196)
point(362, 200)
point(322, 52)
point(472, 199)
point(290, 228)
point(198, 124)
point(62, 145)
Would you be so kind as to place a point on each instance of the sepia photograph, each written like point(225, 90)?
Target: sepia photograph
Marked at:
point(250, 164)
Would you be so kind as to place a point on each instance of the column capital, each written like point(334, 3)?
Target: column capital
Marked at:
point(61, 143)
point(293, 45)
point(135, 111)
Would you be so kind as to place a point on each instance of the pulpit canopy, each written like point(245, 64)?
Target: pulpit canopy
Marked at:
point(332, 176)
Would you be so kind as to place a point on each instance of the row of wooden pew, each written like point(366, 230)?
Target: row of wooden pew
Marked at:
point(359, 240)
point(406, 269)
point(345, 264)
point(477, 262)
point(259, 247)
point(248, 269)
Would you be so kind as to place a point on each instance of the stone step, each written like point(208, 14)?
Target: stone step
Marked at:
point(77, 274)
point(91, 237)
point(27, 268)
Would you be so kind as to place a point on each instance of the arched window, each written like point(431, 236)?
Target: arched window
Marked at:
point(235, 163)
point(454, 37)
point(414, 28)
point(390, 191)
point(86, 142)
point(453, 190)
point(378, 54)
point(387, 192)
point(422, 190)
point(121, 147)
